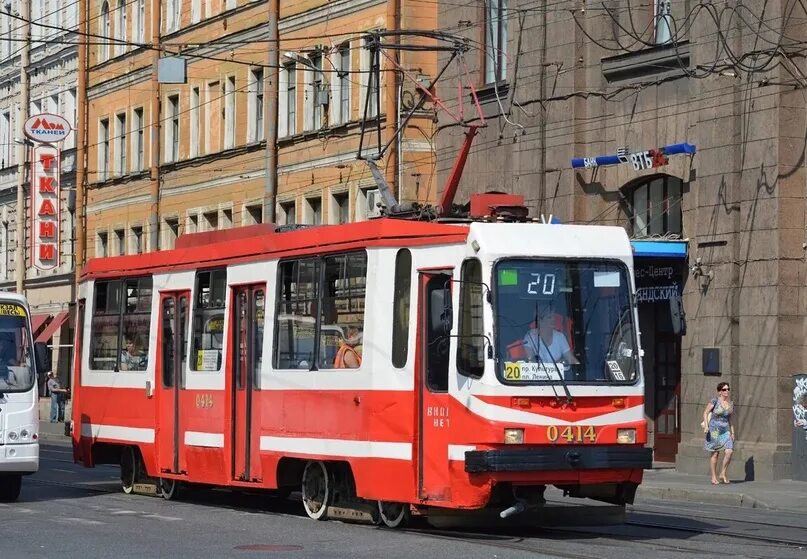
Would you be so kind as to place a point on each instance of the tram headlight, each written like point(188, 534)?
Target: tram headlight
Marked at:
point(626, 436)
point(514, 436)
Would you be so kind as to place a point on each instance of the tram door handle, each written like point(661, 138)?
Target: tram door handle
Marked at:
point(357, 399)
point(149, 392)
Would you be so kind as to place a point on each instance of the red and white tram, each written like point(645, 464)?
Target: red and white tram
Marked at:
point(496, 359)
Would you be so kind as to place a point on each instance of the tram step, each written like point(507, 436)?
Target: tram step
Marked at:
point(361, 514)
point(145, 488)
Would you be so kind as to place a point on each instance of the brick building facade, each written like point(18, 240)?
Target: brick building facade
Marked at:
point(560, 82)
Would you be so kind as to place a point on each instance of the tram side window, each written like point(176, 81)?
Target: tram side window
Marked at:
point(400, 308)
point(208, 320)
point(471, 342)
point(121, 325)
point(342, 321)
point(296, 317)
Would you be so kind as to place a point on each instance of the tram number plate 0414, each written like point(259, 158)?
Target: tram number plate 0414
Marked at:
point(571, 434)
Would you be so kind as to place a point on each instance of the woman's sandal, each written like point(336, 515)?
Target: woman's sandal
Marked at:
point(724, 479)
point(715, 482)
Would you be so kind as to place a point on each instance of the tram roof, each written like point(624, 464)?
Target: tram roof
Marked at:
point(232, 247)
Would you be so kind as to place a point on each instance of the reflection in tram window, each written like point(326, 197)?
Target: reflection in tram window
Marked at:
point(208, 320)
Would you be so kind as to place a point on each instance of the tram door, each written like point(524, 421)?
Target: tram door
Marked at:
point(434, 315)
point(173, 355)
point(248, 318)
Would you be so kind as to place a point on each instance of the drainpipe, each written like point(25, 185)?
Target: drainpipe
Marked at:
point(154, 168)
point(81, 140)
point(270, 122)
point(25, 94)
point(393, 24)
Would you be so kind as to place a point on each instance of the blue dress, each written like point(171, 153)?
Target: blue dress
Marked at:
point(719, 436)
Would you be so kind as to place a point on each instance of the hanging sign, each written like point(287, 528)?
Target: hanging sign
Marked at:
point(46, 128)
point(45, 174)
point(641, 160)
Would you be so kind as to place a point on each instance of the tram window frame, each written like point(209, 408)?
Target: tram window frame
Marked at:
point(209, 304)
point(302, 303)
point(125, 305)
point(471, 329)
point(401, 301)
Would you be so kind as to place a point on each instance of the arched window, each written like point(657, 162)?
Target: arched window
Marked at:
point(120, 28)
point(655, 206)
point(103, 52)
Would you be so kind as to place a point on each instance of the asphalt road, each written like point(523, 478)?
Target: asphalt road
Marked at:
point(67, 511)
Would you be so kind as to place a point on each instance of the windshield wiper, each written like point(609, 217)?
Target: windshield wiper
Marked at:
point(569, 398)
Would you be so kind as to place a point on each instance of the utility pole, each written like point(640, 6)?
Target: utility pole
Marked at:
point(81, 139)
point(22, 148)
point(391, 100)
point(270, 122)
point(154, 170)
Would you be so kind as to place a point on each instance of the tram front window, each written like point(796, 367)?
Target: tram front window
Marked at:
point(16, 369)
point(564, 320)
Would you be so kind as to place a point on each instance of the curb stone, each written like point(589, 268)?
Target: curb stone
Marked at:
point(700, 496)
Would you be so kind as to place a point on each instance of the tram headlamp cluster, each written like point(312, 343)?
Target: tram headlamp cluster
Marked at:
point(626, 436)
point(514, 436)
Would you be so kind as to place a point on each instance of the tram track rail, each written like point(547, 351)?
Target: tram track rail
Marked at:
point(536, 540)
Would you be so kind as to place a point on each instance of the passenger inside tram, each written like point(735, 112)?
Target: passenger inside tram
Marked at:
point(349, 354)
point(131, 357)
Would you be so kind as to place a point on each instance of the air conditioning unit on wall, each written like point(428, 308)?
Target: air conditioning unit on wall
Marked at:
point(374, 203)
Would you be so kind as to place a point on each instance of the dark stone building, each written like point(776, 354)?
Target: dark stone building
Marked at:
point(565, 80)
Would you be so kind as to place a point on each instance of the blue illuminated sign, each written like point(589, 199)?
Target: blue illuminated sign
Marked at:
point(641, 160)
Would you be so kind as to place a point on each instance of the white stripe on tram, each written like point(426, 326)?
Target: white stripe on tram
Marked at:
point(196, 438)
point(338, 447)
point(457, 451)
point(118, 432)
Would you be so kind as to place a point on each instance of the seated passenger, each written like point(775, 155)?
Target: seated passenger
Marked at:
point(349, 354)
point(131, 358)
point(546, 344)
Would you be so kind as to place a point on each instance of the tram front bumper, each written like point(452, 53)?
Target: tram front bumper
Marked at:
point(558, 458)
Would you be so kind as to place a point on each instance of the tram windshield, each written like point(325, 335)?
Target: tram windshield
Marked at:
point(16, 368)
point(564, 321)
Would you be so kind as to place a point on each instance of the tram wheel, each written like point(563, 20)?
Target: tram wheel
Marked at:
point(393, 515)
point(128, 469)
point(316, 490)
point(168, 488)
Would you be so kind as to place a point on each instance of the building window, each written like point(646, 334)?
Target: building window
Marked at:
point(343, 75)
point(103, 149)
point(312, 109)
point(172, 130)
point(120, 147)
point(120, 28)
point(69, 113)
point(288, 213)
point(137, 140)
point(256, 105)
point(172, 15)
point(253, 214)
point(656, 207)
point(120, 242)
point(312, 211)
point(137, 240)
point(102, 244)
point(287, 107)
point(170, 233)
point(103, 48)
point(369, 81)
point(226, 218)
point(196, 11)
point(194, 116)
point(229, 112)
point(663, 19)
point(496, 41)
point(213, 117)
point(6, 143)
point(211, 221)
point(193, 223)
point(339, 208)
point(139, 19)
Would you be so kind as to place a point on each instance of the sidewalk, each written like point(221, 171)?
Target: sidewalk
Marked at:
point(665, 483)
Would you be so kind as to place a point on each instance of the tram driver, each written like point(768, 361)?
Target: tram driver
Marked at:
point(545, 344)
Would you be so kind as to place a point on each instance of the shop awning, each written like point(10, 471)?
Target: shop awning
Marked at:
point(54, 325)
point(38, 321)
point(654, 248)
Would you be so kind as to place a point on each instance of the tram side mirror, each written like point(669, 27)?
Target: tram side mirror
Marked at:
point(678, 319)
point(42, 357)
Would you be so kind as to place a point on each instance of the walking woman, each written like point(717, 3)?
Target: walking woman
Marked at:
point(719, 431)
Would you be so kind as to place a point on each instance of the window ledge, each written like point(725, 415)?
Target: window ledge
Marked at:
point(488, 92)
point(663, 61)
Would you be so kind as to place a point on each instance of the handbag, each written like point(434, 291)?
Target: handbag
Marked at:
point(708, 420)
